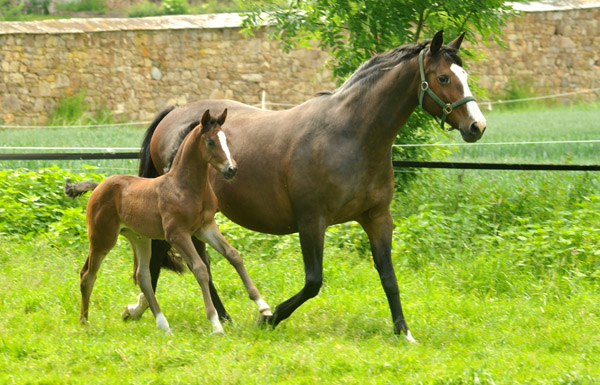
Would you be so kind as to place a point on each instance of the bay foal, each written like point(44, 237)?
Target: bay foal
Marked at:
point(174, 207)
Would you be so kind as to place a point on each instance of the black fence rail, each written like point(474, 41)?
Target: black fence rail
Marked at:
point(396, 163)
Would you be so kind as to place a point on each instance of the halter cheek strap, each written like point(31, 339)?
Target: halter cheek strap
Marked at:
point(446, 107)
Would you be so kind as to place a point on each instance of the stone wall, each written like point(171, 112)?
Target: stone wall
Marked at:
point(134, 67)
point(134, 70)
point(550, 52)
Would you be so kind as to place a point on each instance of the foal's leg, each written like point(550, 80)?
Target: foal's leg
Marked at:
point(101, 242)
point(201, 249)
point(159, 252)
point(312, 234)
point(184, 245)
point(142, 250)
point(213, 237)
point(379, 225)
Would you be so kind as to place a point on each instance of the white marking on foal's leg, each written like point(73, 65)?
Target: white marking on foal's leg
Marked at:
point(162, 323)
point(263, 307)
point(136, 311)
point(217, 327)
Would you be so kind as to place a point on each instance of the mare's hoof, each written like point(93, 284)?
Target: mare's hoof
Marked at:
point(266, 320)
point(409, 338)
point(226, 318)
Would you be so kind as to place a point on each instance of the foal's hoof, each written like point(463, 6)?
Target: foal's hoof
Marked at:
point(131, 313)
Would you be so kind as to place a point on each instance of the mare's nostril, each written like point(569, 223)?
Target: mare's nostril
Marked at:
point(475, 128)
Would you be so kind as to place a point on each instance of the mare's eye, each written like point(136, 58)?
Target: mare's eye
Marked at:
point(444, 79)
point(210, 142)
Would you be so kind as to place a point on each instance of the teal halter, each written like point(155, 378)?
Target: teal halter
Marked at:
point(446, 107)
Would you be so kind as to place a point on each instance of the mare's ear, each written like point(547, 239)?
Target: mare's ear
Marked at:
point(457, 42)
point(205, 121)
point(221, 119)
point(436, 43)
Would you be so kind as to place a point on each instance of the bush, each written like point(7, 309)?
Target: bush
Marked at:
point(72, 110)
point(145, 9)
point(176, 7)
point(33, 203)
point(10, 10)
point(98, 6)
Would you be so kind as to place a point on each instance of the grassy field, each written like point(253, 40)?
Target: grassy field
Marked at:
point(499, 275)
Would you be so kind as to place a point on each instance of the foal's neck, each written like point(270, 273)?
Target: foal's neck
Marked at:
point(190, 168)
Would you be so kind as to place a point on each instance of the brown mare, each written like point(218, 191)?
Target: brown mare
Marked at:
point(174, 207)
point(326, 161)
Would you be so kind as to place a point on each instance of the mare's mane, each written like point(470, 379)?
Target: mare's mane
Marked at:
point(370, 71)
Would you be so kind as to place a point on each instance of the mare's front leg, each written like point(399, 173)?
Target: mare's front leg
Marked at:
point(184, 245)
point(312, 234)
point(212, 235)
point(379, 226)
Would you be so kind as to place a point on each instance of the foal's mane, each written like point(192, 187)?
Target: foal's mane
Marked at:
point(370, 71)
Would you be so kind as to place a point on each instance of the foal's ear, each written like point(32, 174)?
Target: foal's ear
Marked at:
point(205, 120)
point(457, 42)
point(221, 119)
point(436, 42)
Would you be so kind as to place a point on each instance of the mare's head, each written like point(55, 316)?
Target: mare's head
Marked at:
point(444, 90)
point(215, 146)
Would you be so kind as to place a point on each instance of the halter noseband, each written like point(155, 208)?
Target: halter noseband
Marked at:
point(446, 107)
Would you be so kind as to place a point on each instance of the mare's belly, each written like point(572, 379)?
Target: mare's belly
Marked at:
point(256, 206)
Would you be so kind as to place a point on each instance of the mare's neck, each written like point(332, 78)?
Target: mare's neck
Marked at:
point(381, 109)
point(189, 167)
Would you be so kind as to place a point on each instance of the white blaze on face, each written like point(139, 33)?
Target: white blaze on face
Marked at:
point(223, 141)
point(472, 107)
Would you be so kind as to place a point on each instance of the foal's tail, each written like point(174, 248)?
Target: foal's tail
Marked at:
point(147, 169)
point(73, 190)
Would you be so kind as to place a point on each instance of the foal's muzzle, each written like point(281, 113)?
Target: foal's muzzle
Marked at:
point(229, 171)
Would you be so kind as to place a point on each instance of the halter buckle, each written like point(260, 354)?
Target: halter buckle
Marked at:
point(448, 109)
point(424, 85)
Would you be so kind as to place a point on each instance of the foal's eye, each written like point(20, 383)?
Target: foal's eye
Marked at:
point(444, 79)
point(210, 142)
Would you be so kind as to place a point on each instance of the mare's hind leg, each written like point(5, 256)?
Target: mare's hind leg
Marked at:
point(378, 225)
point(142, 250)
point(312, 236)
point(213, 237)
point(201, 249)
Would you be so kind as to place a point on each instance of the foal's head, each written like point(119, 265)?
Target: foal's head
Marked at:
point(214, 145)
point(447, 79)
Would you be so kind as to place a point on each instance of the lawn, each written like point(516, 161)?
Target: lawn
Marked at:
point(499, 273)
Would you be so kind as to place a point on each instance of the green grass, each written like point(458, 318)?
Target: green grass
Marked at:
point(577, 123)
point(499, 273)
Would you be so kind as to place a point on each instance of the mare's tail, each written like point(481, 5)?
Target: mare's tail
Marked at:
point(147, 169)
